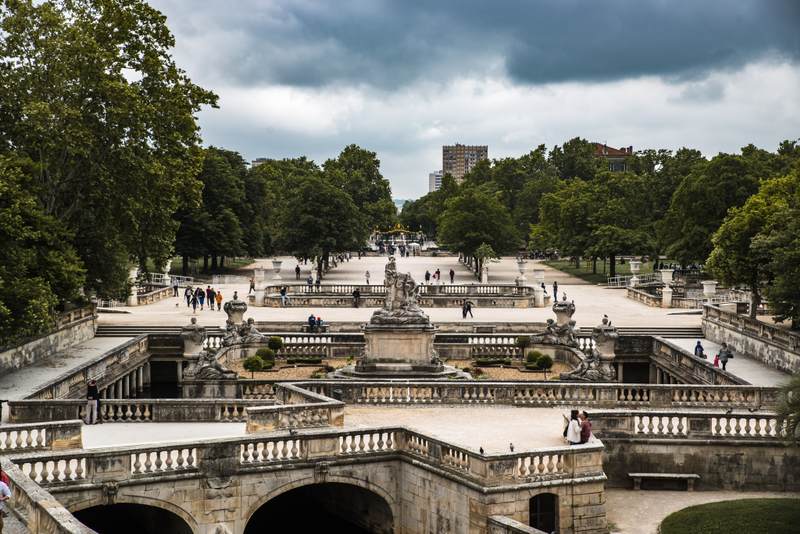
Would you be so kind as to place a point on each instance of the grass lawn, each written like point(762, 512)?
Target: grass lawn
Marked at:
point(750, 516)
point(585, 270)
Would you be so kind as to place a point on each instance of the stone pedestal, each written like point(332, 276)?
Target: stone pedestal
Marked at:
point(666, 297)
point(193, 336)
point(133, 299)
point(276, 266)
point(709, 288)
point(635, 267)
point(485, 275)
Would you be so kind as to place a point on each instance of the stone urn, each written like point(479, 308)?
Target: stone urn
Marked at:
point(133, 276)
point(666, 275)
point(276, 266)
point(521, 264)
point(564, 311)
point(538, 277)
point(709, 288)
point(235, 309)
point(485, 274)
point(635, 267)
point(193, 336)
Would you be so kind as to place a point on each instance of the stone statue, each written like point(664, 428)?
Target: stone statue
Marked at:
point(231, 336)
point(400, 305)
point(193, 336)
point(248, 333)
point(596, 365)
point(208, 368)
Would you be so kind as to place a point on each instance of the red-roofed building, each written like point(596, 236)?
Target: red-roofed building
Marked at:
point(614, 156)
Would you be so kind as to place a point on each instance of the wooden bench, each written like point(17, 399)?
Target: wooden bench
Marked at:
point(688, 477)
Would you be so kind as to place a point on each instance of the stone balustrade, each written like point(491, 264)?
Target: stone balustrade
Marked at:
point(136, 410)
point(499, 524)
point(295, 408)
point(776, 347)
point(41, 436)
point(687, 425)
point(545, 394)
point(148, 464)
point(37, 509)
point(151, 297)
point(106, 369)
point(687, 367)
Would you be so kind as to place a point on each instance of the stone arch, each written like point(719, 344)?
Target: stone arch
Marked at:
point(329, 479)
point(543, 511)
point(144, 501)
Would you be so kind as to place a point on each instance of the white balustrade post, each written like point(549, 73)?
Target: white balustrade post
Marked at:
point(666, 297)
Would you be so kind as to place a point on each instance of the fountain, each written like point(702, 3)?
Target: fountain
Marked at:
point(399, 337)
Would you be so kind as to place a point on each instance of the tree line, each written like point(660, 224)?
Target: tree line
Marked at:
point(102, 168)
point(680, 204)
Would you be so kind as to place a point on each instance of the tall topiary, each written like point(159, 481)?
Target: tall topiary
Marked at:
point(253, 364)
point(275, 343)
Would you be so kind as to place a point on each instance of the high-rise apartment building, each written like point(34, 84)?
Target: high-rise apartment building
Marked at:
point(435, 181)
point(458, 159)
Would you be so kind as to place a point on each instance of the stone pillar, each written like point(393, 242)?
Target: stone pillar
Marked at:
point(118, 389)
point(180, 372)
point(140, 379)
point(133, 299)
point(666, 297)
point(260, 278)
point(521, 266)
point(666, 275)
point(709, 288)
point(619, 372)
point(146, 374)
point(126, 386)
point(538, 297)
point(653, 378)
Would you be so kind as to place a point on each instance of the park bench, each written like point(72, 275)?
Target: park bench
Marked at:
point(688, 477)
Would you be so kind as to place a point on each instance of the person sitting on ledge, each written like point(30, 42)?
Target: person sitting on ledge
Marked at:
point(312, 323)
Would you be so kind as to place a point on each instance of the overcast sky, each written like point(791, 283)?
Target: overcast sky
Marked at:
point(404, 77)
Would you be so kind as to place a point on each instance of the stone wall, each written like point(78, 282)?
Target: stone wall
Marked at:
point(776, 347)
point(730, 465)
point(76, 327)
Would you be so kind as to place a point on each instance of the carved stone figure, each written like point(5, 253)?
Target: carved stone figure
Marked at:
point(248, 333)
point(208, 368)
point(231, 336)
point(597, 366)
point(400, 305)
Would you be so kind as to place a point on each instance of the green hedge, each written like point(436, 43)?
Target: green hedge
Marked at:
point(745, 516)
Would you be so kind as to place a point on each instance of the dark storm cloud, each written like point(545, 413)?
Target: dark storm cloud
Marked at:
point(387, 44)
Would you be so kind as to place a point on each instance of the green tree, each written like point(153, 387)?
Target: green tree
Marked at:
point(91, 95)
point(39, 269)
point(473, 218)
point(253, 364)
point(357, 172)
point(423, 213)
point(576, 159)
point(788, 409)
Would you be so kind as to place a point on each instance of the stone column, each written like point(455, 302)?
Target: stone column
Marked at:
point(140, 379)
point(260, 278)
point(619, 372)
point(118, 389)
point(133, 299)
point(538, 297)
point(666, 297)
point(180, 372)
point(126, 387)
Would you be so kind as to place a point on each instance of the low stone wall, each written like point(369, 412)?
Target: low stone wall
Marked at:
point(154, 296)
point(690, 368)
point(643, 297)
point(37, 509)
point(776, 347)
point(499, 524)
point(41, 436)
point(73, 327)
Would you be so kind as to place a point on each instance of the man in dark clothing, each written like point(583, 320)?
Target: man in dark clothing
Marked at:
point(356, 297)
point(210, 298)
point(92, 398)
point(297, 272)
point(586, 427)
point(452, 276)
point(312, 323)
point(252, 286)
point(555, 291)
point(175, 288)
point(467, 309)
point(427, 277)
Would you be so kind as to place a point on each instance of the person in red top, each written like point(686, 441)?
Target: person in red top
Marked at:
point(586, 427)
point(4, 478)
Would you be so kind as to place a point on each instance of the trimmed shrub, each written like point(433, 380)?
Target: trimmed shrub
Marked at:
point(268, 355)
point(523, 342)
point(492, 361)
point(253, 364)
point(304, 359)
point(533, 357)
point(275, 343)
point(545, 362)
point(268, 364)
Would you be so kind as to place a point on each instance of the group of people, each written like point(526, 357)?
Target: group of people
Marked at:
point(437, 276)
point(725, 353)
point(315, 323)
point(579, 428)
point(198, 296)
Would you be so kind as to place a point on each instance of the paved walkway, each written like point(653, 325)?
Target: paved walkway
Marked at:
point(591, 301)
point(754, 371)
point(640, 512)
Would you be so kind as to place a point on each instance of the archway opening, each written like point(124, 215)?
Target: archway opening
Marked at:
point(129, 518)
point(543, 510)
point(328, 507)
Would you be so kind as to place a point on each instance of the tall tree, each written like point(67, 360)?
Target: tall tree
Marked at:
point(576, 159)
point(91, 95)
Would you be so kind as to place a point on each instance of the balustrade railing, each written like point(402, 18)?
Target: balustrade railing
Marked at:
point(40, 436)
point(687, 425)
point(775, 335)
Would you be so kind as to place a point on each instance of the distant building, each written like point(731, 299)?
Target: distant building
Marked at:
point(614, 156)
point(435, 181)
point(458, 159)
point(258, 161)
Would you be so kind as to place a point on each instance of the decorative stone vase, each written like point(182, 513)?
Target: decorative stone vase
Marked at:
point(235, 309)
point(133, 275)
point(564, 311)
point(193, 336)
point(521, 264)
point(709, 288)
point(276, 266)
point(485, 274)
point(635, 267)
point(666, 275)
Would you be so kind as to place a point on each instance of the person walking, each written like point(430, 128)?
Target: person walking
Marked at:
point(174, 287)
point(573, 430)
point(366, 275)
point(586, 428)
point(724, 355)
point(309, 281)
point(427, 277)
point(467, 309)
point(187, 294)
point(356, 297)
point(194, 303)
point(252, 285)
point(698, 350)
point(92, 398)
point(201, 297)
point(218, 298)
point(452, 276)
point(555, 291)
point(317, 283)
point(438, 275)
point(544, 289)
point(210, 297)
point(297, 272)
